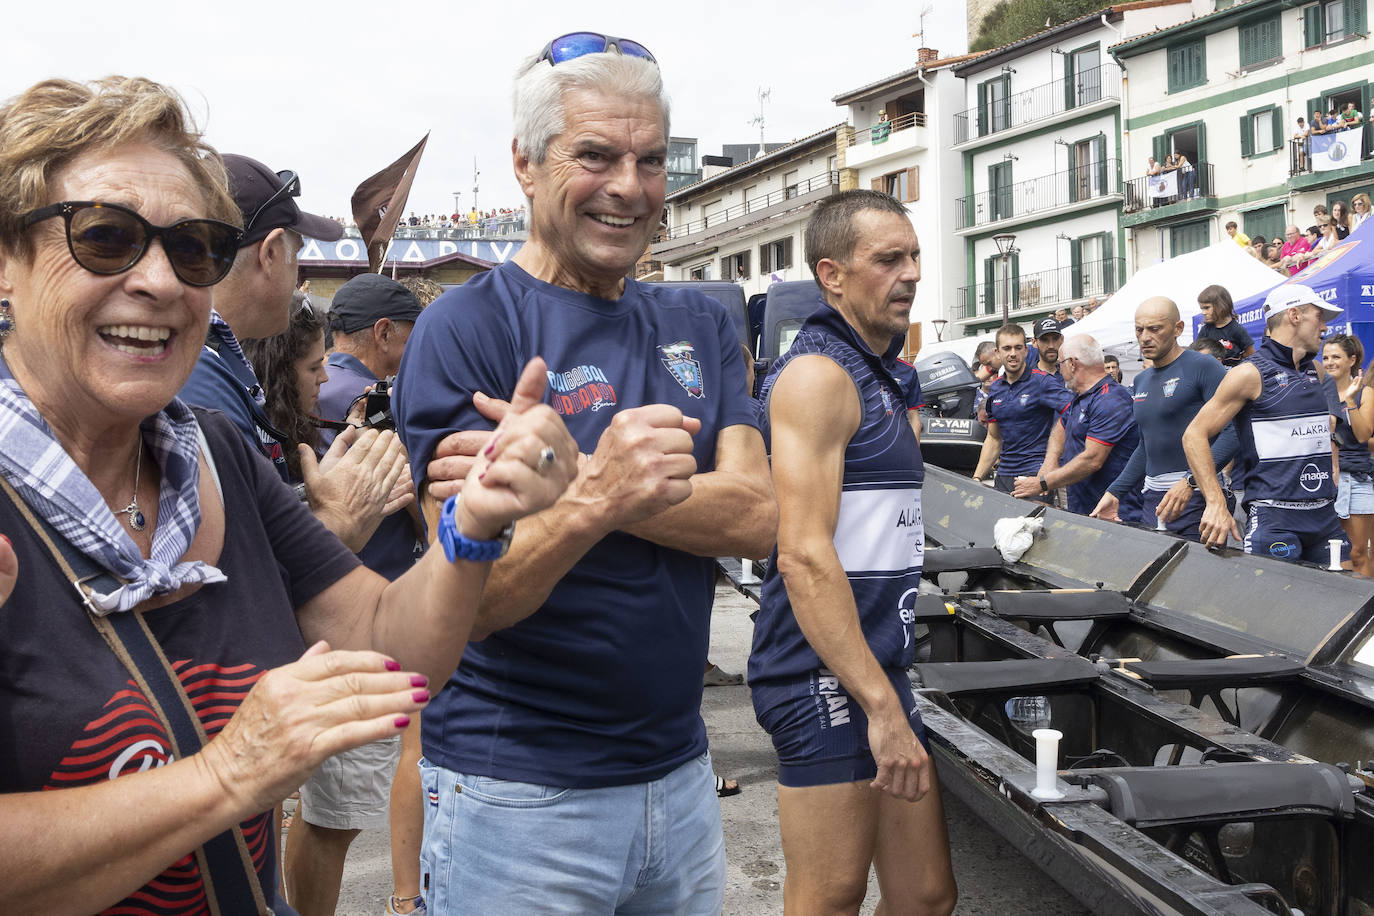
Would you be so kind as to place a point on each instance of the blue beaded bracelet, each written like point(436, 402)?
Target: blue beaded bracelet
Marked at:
point(457, 547)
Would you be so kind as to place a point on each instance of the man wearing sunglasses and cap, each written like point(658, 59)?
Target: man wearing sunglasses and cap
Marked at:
point(566, 767)
point(1285, 463)
point(254, 300)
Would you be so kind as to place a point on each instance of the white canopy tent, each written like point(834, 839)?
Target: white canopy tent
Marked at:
point(1180, 279)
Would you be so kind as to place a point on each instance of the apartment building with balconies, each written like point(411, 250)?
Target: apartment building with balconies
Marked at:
point(1040, 175)
point(1226, 89)
point(744, 223)
point(898, 140)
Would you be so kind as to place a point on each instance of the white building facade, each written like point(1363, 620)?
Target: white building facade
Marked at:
point(745, 224)
point(1226, 89)
point(1038, 132)
point(898, 141)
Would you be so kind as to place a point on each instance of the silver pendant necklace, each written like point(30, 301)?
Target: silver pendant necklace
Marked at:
point(136, 519)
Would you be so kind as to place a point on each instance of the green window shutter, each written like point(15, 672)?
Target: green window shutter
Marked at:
point(1108, 264)
point(1354, 17)
point(1006, 101)
point(1100, 150)
point(1069, 95)
point(1247, 140)
point(1312, 105)
point(1201, 146)
point(1273, 45)
point(989, 286)
point(1076, 269)
point(1016, 280)
point(1313, 28)
point(1161, 148)
point(1277, 120)
point(1248, 41)
point(982, 109)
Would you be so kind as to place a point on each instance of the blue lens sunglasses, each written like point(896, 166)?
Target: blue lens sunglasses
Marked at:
point(579, 44)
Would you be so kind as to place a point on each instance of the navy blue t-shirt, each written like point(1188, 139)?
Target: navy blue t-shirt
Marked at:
point(1165, 401)
point(71, 715)
point(1103, 414)
point(602, 685)
point(394, 547)
point(1024, 412)
point(1233, 338)
point(879, 535)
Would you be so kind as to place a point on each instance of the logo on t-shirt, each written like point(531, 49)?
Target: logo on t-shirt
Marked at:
point(682, 362)
point(580, 388)
point(1169, 387)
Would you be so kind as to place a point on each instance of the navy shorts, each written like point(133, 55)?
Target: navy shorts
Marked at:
point(820, 732)
point(1187, 522)
point(1295, 534)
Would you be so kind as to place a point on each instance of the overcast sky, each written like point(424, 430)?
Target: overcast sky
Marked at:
point(338, 90)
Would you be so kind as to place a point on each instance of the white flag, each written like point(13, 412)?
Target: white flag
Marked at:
point(1336, 150)
point(1163, 185)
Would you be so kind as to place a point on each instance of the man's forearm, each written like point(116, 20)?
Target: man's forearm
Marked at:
point(823, 604)
point(1081, 467)
point(1199, 454)
point(696, 525)
point(987, 457)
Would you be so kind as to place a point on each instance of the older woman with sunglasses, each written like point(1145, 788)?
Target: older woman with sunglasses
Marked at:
point(169, 696)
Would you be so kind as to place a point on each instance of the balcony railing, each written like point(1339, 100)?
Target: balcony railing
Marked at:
point(879, 132)
point(1060, 189)
point(1300, 160)
point(1045, 101)
point(798, 189)
point(1169, 187)
point(1048, 288)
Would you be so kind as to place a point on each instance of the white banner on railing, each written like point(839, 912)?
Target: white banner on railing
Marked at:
point(1336, 150)
point(1164, 185)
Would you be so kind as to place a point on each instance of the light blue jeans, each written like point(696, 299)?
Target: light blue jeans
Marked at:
point(496, 846)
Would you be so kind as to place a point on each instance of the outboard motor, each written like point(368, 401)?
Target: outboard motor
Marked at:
point(951, 436)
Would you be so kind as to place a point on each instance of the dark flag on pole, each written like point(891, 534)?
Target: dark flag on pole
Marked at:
point(380, 200)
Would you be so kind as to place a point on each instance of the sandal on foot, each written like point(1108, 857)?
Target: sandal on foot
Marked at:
point(714, 677)
point(724, 790)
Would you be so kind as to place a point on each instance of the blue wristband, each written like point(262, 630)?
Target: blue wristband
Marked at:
point(457, 547)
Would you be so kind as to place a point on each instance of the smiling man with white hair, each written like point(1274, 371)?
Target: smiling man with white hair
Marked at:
point(565, 760)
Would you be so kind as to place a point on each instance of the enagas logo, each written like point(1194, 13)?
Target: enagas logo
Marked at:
point(1312, 477)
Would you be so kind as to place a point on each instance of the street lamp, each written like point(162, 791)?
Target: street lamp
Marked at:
point(1006, 247)
point(940, 325)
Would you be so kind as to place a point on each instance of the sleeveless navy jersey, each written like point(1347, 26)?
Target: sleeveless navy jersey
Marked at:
point(879, 535)
point(1285, 433)
point(1355, 458)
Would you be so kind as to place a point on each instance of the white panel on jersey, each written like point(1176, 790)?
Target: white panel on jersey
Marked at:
point(1293, 437)
point(880, 531)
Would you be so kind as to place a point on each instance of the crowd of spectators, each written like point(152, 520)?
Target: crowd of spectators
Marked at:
point(1299, 247)
point(471, 225)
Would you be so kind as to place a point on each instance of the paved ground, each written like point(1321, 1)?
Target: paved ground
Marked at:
point(993, 877)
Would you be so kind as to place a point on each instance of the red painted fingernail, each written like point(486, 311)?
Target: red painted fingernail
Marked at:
point(420, 696)
point(401, 721)
point(491, 448)
point(482, 476)
point(419, 680)
point(393, 665)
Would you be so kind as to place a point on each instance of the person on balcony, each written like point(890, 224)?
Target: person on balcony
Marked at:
point(1187, 175)
point(881, 129)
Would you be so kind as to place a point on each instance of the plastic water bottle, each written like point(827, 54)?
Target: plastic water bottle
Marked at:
point(1027, 714)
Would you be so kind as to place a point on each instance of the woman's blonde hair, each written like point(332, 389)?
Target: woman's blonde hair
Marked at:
point(51, 123)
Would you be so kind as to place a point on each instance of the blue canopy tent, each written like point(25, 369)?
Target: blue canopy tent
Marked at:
point(1344, 276)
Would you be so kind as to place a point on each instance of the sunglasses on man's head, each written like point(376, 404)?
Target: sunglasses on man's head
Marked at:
point(290, 187)
point(110, 239)
point(579, 44)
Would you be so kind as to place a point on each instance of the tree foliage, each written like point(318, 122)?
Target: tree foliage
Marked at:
point(1012, 20)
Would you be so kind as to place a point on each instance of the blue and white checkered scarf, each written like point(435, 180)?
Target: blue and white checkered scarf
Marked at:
point(37, 466)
